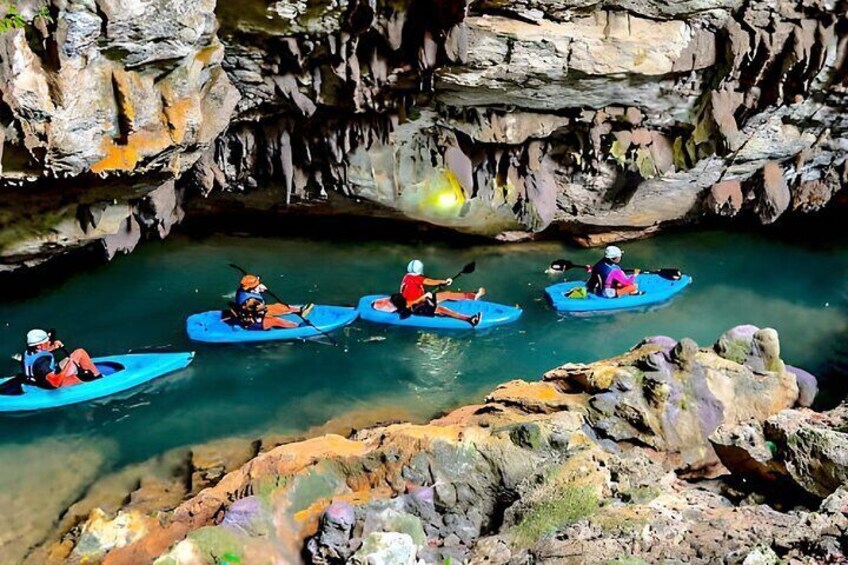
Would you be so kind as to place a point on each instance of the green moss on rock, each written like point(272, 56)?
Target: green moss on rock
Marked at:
point(552, 514)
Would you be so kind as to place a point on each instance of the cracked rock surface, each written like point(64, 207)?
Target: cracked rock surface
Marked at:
point(604, 120)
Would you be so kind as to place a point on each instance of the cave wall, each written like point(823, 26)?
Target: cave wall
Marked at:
point(605, 119)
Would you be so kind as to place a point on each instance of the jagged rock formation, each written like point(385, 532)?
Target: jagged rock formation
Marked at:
point(499, 116)
point(585, 466)
point(112, 88)
point(607, 120)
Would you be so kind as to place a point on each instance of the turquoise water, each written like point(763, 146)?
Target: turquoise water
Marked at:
point(141, 301)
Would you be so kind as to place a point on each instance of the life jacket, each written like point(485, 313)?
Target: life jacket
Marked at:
point(243, 296)
point(29, 358)
point(601, 272)
point(412, 287)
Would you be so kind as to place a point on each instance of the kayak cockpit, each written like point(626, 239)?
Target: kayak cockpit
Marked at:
point(109, 367)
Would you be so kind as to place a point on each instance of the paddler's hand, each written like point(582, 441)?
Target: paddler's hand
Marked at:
point(636, 271)
point(57, 344)
point(448, 282)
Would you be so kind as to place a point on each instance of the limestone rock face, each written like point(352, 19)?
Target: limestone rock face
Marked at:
point(521, 116)
point(580, 464)
point(498, 118)
point(107, 87)
point(115, 226)
point(133, 86)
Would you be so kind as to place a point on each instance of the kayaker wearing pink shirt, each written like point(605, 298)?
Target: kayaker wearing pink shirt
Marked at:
point(608, 279)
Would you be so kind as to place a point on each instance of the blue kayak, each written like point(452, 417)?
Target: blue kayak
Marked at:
point(120, 373)
point(211, 328)
point(656, 289)
point(493, 314)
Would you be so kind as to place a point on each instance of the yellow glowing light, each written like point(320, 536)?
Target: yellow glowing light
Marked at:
point(447, 199)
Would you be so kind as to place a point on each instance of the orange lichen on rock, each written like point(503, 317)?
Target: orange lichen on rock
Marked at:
point(118, 158)
point(126, 157)
point(531, 397)
point(176, 112)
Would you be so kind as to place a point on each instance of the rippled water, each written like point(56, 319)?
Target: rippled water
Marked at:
point(141, 301)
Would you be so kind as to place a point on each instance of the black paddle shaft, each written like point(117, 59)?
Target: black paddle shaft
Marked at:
point(563, 265)
point(466, 270)
point(298, 314)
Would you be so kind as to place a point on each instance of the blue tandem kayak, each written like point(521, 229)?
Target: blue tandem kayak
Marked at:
point(656, 289)
point(120, 373)
point(211, 328)
point(493, 314)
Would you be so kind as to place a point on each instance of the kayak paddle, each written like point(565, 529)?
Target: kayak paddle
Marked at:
point(668, 274)
point(562, 265)
point(13, 386)
point(466, 270)
point(277, 298)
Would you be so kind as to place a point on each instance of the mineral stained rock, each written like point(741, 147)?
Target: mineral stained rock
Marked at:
point(582, 467)
point(498, 118)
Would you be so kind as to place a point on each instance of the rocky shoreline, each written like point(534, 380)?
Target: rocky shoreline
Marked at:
point(667, 453)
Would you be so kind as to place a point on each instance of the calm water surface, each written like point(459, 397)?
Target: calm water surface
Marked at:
point(141, 301)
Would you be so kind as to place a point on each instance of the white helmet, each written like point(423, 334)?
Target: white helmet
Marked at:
point(36, 337)
point(612, 252)
point(415, 267)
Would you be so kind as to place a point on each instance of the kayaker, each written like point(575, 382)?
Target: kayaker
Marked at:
point(608, 279)
point(415, 299)
point(39, 362)
point(252, 311)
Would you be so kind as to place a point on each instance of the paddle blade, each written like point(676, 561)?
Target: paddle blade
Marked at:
point(670, 274)
point(562, 265)
point(12, 387)
point(469, 268)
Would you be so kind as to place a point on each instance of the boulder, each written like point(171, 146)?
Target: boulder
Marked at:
point(808, 386)
point(386, 548)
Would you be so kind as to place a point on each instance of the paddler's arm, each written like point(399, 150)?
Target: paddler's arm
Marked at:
point(622, 279)
point(437, 282)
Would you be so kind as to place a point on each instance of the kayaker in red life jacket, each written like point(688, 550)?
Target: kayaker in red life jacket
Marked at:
point(252, 311)
point(608, 279)
point(420, 302)
point(39, 363)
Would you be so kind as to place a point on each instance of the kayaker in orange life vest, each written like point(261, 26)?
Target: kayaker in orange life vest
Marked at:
point(252, 311)
point(417, 300)
point(39, 364)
